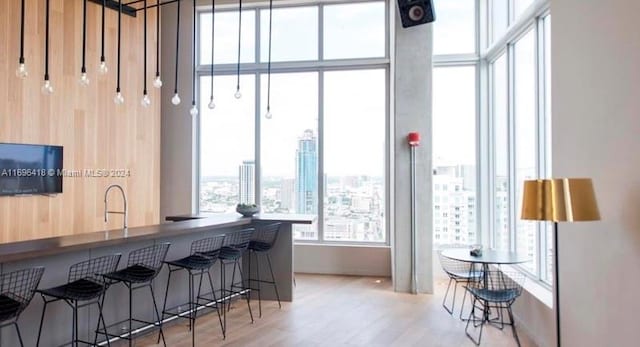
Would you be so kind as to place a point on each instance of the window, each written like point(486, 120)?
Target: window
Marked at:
point(354, 170)
point(455, 27)
point(455, 111)
point(500, 108)
point(519, 106)
point(454, 148)
point(230, 178)
point(305, 159)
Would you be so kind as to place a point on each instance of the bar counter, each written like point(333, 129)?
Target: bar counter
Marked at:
point(57, 254)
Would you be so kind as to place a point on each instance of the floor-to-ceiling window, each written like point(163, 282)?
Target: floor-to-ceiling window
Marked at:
point(491, 128)
point(323, 150)
point(455, 113)
point(518, 62)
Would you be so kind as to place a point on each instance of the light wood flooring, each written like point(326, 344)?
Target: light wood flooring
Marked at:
point(340, 311)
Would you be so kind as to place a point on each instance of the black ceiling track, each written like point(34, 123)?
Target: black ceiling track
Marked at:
point(112, 4)
point(127, 8)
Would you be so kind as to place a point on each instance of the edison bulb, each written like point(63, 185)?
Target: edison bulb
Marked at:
point(268, 115)
point(157, 82)
point(211, 104)
point(84, 79)
point(21, 71)
point(103, 69)
point(146, 101)
point(238, 95)
point(176, 99)
point(47, 88)
point(193, 111)
point(118, 99)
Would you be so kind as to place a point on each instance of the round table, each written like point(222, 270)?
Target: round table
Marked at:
point(488, 256)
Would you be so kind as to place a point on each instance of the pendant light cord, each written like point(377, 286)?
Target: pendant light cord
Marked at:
point(175, 89)
point(119, 32)
point(269, 62)
point(46, 43)
point(158, 40)
point(193, 58)
point(104, 4)
point(239, 41)
point(213, 33)
point(84, 36)
point(21, 60)
point(144, 90)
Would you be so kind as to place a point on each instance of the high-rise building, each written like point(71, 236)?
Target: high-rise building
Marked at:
point(286, 194)
point(246, 172)
point(454, 206)
point(306, 194)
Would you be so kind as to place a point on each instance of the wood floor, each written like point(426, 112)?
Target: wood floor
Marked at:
point(339, 311)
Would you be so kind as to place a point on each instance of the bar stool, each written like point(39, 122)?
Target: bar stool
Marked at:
point(204, 254)
point(235, 245)
point(16, 291)
point(85, 286)
point(261, 243)
point(143, 266)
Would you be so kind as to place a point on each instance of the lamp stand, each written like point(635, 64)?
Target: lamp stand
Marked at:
point(556, 280)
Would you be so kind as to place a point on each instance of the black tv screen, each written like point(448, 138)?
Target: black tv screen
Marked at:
point(30, 169)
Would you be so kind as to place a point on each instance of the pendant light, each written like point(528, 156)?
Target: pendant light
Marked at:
point(118, 99)
point(145, 102)
point(194, 108)
point(157, 82)
point(21, 71)
point(269, 115)
point(84, 79)
point(238, 95)
point(47, 88)
point(176, 98)
point(212, 104)
point(102, 68)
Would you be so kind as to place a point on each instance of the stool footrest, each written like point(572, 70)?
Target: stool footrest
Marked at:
point(138, 326)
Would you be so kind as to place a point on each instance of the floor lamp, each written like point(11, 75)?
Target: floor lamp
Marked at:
point(559, 200)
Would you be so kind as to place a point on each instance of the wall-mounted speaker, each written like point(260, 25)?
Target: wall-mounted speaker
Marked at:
point(416, 12)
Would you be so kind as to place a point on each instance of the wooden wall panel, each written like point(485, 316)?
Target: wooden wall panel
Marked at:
point(95, 133)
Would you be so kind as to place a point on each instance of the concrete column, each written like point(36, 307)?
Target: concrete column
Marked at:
point(411, 83)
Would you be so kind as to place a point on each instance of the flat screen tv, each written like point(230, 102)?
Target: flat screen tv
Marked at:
point(30, 169)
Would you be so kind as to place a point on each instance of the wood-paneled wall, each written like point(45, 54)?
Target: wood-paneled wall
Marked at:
point(95, 133)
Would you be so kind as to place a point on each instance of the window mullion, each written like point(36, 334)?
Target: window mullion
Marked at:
point(321, 173)
point(511, 146)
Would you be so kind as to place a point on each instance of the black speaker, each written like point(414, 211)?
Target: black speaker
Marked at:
point(416, 12)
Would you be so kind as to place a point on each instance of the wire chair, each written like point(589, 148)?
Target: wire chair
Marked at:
point(458, 272)
point(143, 266)
point(204, 254)
point(261, 243)
point(85, 284)
point(498, 291)
point(16, 291)
point(236, 243)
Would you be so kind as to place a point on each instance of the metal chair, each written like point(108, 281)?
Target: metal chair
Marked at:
point(142, 268)
point(261, 243)
point(497, 291)
point(16, 291)
point(235, 245)
point(204, 254)
point(458, 272)
point(85, 286)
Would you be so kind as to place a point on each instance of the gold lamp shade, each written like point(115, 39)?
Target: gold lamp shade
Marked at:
point(560, 200)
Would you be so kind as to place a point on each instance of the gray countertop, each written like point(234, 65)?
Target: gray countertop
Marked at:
point(184, 224)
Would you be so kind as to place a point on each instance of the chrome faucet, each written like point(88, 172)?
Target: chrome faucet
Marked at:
point(124, 198)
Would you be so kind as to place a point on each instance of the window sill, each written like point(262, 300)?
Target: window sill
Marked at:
point(538, 289)
point(341, 244)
